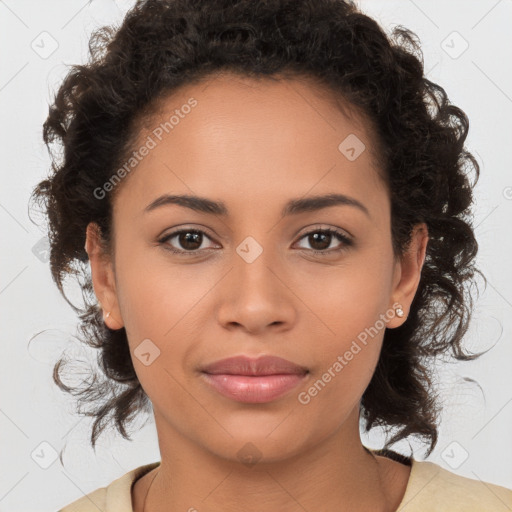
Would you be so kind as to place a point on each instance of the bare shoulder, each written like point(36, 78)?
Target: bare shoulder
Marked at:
point(140, 489)
point(395, 478)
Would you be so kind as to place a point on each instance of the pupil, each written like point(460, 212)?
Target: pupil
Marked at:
point(190, 237)
point(316, 237)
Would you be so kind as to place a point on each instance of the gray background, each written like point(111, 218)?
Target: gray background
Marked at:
point(37, 41)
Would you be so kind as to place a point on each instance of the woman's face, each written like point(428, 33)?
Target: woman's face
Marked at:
point(250, 283)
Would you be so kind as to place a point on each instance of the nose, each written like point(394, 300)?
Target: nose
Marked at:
point(255, 295)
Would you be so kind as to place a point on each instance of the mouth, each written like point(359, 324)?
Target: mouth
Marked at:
point(250, 380)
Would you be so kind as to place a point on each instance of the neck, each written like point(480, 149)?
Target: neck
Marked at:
point(339, 474)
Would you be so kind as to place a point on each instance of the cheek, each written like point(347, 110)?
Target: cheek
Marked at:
point(352, 305)
point(158, 302)
point(154, 294)
point(334, 394)
point(158, 306)
point(167, 302)
point(343, 363)
point(349, 299)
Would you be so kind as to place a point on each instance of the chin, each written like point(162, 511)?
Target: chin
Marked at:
point(257, 442)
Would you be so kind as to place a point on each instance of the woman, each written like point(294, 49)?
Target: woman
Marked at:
point(273, 203)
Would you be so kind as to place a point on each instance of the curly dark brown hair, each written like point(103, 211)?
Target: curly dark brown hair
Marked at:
point(164, 44)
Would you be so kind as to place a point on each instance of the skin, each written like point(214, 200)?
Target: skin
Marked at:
point(255, 145)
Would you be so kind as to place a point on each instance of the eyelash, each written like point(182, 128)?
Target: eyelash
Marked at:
point(346, 242)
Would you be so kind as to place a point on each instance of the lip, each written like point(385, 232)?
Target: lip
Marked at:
point(263, 365)
point(253, 380)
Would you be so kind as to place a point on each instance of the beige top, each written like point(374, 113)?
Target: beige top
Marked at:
point(431, 488)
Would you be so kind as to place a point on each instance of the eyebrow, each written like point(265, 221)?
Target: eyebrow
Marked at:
point(292, 207)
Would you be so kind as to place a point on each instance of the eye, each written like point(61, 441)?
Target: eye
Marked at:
point(190, 239)
point(321, 239)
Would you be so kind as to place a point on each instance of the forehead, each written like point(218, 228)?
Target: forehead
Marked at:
point(253, 137)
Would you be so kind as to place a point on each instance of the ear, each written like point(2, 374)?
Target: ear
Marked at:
point(407, 274)
point(102, 274)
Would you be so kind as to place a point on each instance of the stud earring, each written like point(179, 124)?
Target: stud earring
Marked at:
point(108, 314)
point(399, 312)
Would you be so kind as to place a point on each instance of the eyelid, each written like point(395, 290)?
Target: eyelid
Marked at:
point(165, 238)
point(345, 240)
point(322, 227)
